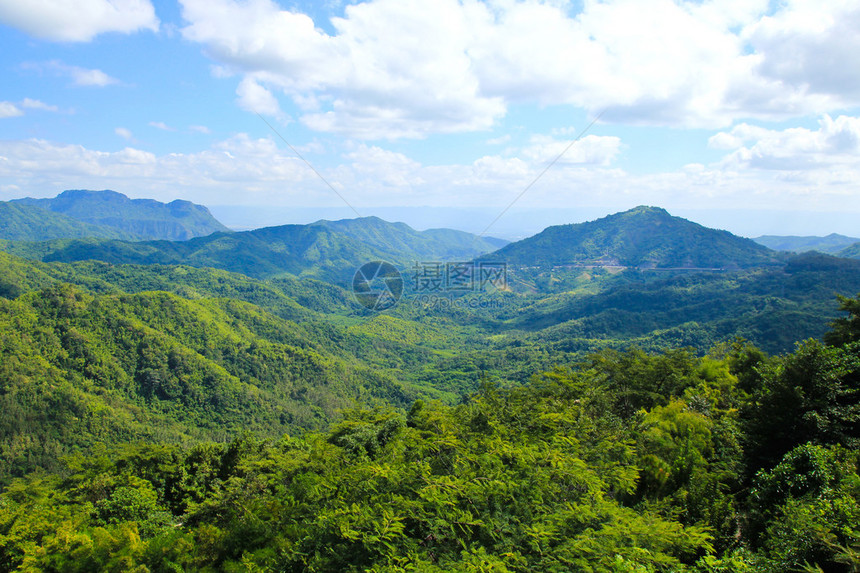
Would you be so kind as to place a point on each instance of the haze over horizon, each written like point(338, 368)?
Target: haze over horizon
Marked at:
point(743, 116)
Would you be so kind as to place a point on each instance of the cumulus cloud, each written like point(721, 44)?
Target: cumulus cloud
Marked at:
point(239, 164)
point(256, 98)
point(124, 133)
point(9, 109)
point(394, 68)
point(590, 150)
point(80, 21)
point(799, 169)
point(161, 125)
point(36, 104)
point(85, 77)
point(407, 68)
point(80, 76)
point(835, 143)
point(806, 46)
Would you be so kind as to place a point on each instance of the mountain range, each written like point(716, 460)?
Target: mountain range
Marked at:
point(833, 244)
point(104, 214)
point(325, 249)
point(159, 414)
point(645, 237)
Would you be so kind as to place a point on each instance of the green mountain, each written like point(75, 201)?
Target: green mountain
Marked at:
point(21, 222)
point(646, 237)
point(773, 307)
point(830, 244)
point(851, 251)
point(330, 250)
point(133, 218)
point(164, 417)
point(78, 368)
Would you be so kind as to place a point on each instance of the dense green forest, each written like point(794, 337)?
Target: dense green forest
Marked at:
point(625, 461)
point(688, 414)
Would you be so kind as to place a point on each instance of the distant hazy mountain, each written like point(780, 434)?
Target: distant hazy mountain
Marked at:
point(644, 236)
point(115, 215)
point(325, 249)
point(850, 252)
point(21, 222)
point(831, 244)
point(443, 243)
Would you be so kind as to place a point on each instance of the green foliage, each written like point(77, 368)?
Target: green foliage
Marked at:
point(852, 251)
point(77, 369)
point(517, 481)
point(807, 508)
point(329, 250)
point(155, 401)
point(646, 236)
point(811, 395)
point(845, 330)
point(21, 222)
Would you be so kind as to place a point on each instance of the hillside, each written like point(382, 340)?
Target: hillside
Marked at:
point(851, 251)
point(646, 237)
point(830, 244)
point(78, 368)
point(22, 222)
point(138, 219)
point(194, 419)
point(329, 250)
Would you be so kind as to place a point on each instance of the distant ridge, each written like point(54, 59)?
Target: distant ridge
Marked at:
point(21, 222)
point(831, 244)
point(850, 252)
point(647, 237)
point(109, 214)
point(330, 250)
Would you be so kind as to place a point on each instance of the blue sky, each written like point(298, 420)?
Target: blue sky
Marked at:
point(741, 114)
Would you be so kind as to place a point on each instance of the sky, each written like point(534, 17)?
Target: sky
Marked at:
point(501, 116)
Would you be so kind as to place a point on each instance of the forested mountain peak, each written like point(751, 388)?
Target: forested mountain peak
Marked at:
point(647, 237)
point(329, 250)
point(115, 215)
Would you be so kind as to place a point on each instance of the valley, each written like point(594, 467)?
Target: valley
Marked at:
point(225, 400)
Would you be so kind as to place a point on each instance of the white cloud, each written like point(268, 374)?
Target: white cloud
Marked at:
point(200, 129)
point(835, 144)
point(80, 76)
point(78, 21)
point(590, 150)
point(36, 104)
point(161, 125)
point(813, 46)
point(254, 97)
point(124, 133)
point(256, 169)
point(389, 168)
point(85, 77)
point(9, 109)
point(794, 169)
point(501, 140)
point(396, 68)
point(408, 68)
